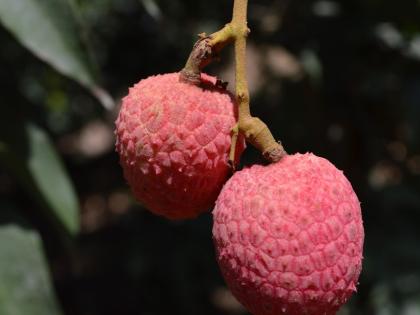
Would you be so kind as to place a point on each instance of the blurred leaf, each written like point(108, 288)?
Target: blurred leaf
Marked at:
point(48, 28)
point(30, 155)
point(25, 285)
point(152, 8)
point(50, 176)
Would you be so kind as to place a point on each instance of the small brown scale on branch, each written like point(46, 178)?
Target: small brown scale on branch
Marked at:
point(206, 50)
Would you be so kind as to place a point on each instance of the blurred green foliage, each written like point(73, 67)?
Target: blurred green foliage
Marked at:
point(25, 286)
point(339, 78)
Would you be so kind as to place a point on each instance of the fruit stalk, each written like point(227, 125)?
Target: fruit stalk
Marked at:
point(204, 51)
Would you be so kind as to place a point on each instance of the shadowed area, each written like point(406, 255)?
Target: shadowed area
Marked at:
point(337, 78)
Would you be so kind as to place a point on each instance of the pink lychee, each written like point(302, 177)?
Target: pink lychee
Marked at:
point(174, 139)
point(289, 237)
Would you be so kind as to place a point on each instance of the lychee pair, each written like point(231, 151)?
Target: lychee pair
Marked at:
point(288, 236)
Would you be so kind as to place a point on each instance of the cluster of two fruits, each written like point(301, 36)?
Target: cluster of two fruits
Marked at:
point(288, 236)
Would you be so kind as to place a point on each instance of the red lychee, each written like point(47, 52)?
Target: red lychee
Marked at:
point(173, 140)
point(289, 237)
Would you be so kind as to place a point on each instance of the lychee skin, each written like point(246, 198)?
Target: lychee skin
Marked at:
point(173, 140)
point(289, 237)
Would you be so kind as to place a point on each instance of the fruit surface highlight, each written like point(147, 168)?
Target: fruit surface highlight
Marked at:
point(173, 140)
point(289, 237)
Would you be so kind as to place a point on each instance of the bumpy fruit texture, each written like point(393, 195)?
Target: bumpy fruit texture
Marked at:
point(174, 140)
point(289, 237)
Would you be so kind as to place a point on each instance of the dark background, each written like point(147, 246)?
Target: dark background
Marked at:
point(338, 78)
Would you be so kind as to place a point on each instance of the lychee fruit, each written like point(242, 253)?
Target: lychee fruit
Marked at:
point(289, 237)
point(174, 139)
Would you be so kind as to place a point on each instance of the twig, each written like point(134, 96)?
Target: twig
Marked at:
point(204, 51)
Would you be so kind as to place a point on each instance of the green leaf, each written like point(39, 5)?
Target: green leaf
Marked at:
point(25, 284)
point(29, 154)
point(48, 28)
point(51, 178)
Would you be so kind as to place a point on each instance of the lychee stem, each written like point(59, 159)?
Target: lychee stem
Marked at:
point(235, 134)
point(204, 51)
